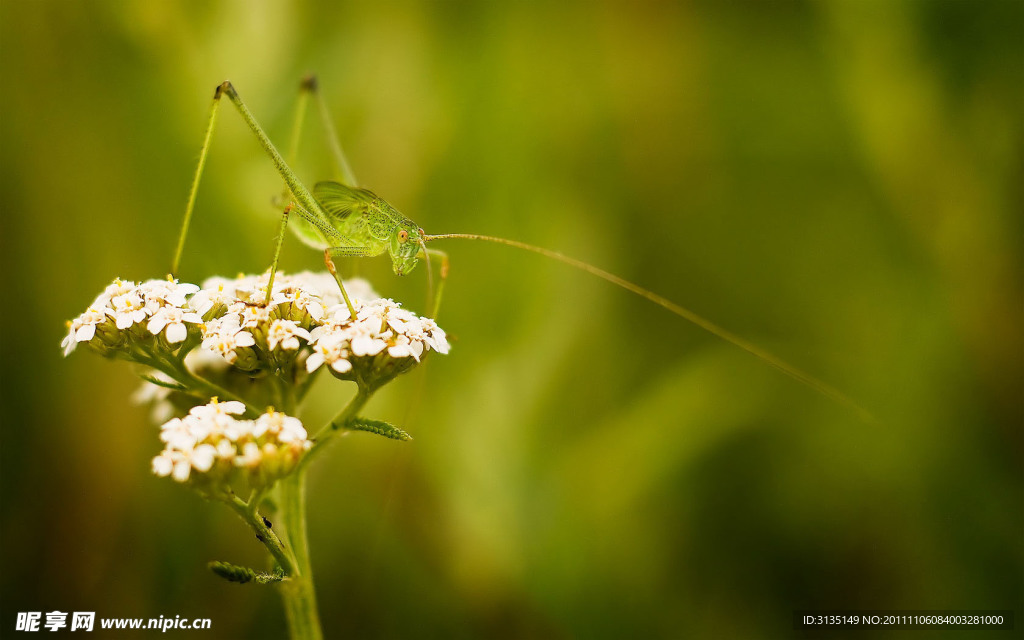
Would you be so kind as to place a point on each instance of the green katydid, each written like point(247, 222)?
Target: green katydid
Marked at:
point(342, 219)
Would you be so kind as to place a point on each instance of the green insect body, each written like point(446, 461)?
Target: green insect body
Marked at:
point(361, 218)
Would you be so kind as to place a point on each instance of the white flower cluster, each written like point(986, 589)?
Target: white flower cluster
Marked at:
point(212, 447)
point(306, 291)
point(307, 310)
point(306, 324)
point(125, 309)
point(381, 327)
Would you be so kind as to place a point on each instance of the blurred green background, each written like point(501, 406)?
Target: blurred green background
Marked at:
point(840, 182)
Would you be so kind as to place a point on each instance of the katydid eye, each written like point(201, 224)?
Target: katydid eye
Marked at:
point(403, 235)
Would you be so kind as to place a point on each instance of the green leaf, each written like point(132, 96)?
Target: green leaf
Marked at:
point(163, 383)
point(379, 427)
point(241, 575)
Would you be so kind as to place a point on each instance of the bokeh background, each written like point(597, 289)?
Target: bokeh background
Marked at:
point(840, 182)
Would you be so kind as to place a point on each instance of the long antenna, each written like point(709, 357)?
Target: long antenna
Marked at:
point(786, 368)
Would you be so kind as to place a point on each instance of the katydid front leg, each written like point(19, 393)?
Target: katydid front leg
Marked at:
point(348, 252)
point(277, 252)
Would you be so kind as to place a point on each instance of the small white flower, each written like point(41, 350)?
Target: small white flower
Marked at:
point(251, 316)
point(225, 336)
point(402, 347)
point(226, 449)
point(251, 456)
point(302, 300)
point(203, 457)
point(216, 409)
point(116, 288)
point(375, 309)
point(330, 348)
point(402, 321)
point(172, 320)
point(435, 337)
point(286, 333)
point(83, 328)
point(338, 315)
point(163, 464)
point(179, 463)
point(182, 466)
point(127, 309)
point(365, 338)
point(208, 298)
point(182, 434)
point(165, 293)
point(279, 425)
point(239, 288)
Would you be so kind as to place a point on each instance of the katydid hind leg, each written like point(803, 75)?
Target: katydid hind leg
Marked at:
point(304, 200)
point(305, 204)
point(307, 87)
point(298, 122)
point(310, 84)
point(190, 206)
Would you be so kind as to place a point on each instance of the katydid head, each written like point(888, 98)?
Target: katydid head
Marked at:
point(404, 247)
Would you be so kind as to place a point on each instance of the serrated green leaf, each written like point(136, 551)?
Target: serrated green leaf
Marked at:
point(379, 427)
point(241, 575)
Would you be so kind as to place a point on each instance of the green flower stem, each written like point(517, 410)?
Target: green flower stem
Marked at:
point(277, 394)
point(298, 592)
point(176, 369)
point(211, 388)
point(337, 424)
point(307, 383)
point(263, 532)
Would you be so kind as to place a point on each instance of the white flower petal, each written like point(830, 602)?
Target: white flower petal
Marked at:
point(162, 465)
point(203, 457)
point(68, 343)
point(341, 366)
point(182, 468)
point(232, 406)
point(86, 333)
point(367, 346)
point(176, 333)
point(314, 361)
point(157, 324)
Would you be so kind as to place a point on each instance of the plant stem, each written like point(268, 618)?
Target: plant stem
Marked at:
point(264, 533)
point(177, 370)
point(337, 424)
point(200, 382)
point(302, 388)
point(298, 592)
